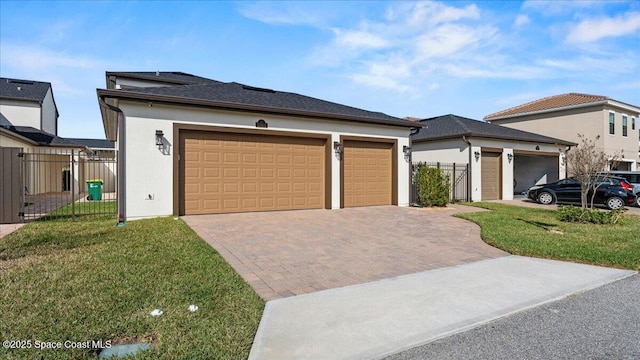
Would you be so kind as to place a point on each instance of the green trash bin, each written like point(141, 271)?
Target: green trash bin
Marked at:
point(94, 188)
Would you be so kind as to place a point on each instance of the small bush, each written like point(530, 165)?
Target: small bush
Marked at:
point(433, 186)
point(594, 216)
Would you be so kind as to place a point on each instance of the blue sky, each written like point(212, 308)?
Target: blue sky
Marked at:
point(419, 59)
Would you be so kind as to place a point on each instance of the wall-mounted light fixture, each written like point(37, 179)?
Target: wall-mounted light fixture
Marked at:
point(406, 150)
point(477, 155)
point(262, 124)
point(159, 139)
point(337, 147)
point(510, 156)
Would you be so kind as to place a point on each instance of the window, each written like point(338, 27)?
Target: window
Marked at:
point(624, 125)
point(612, 123)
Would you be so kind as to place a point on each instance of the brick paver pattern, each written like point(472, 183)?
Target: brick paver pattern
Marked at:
point(287, 253)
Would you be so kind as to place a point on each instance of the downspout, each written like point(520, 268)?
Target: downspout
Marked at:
point(566, 162)
point(411, 195)
point(469, 182)
point(121, 138)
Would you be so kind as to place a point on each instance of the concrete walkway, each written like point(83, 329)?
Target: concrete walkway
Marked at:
point(6, 229)
point(376, 319)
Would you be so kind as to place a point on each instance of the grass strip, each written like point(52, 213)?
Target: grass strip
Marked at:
point(91, 280)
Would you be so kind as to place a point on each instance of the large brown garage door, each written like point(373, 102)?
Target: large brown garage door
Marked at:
point(490, 173)
point(230, 172)
point(367, 173)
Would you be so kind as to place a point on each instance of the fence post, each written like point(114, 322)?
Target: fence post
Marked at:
point(454, 183)
point(73, 187)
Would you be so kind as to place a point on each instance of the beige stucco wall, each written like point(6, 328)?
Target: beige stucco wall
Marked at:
point(21, 113)
point(150, 172)
point(589, 121)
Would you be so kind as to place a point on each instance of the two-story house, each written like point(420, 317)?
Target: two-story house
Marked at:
point(567, 115)
point(34, 161)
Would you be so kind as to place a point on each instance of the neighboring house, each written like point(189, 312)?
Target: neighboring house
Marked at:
point(567, 115)
point(203, 147)
point(503, 161)
point(35, 160)
point(29, 103)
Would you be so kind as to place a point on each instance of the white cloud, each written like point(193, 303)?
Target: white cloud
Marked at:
point(359, 39)
point(389, 75)
point(412, 42)
point(287, 15)
point(555, 7)
point(595, 29)
point(36, 63)
point(432, 13)
point(521, 21)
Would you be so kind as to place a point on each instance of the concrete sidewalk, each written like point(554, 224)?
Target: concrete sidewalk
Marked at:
point(380, 318)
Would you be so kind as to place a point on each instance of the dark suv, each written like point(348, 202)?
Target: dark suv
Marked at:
point(613, 192)
point(633, 178)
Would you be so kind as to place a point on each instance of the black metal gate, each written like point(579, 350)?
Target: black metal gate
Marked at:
point(64, 183)
point(458, 176)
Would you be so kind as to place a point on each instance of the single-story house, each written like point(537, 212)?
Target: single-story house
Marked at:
point(502, 161)
point(195, 146)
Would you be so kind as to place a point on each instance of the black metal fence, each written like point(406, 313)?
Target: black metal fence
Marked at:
point(62, 183)
point(458, 179)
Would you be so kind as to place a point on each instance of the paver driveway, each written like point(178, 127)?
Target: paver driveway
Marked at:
point(288, 253)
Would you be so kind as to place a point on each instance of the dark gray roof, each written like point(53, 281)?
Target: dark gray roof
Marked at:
point(16, 89)
point(452, 126)
point(93, 143)
point(45, 139)
point(264, 99)
point(4, 122)
point(41, 137)
point(175, 77)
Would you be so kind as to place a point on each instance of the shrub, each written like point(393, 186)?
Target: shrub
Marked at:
point(593, 216)
point(433, 186)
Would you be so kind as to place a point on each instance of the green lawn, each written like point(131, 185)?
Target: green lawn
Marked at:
point(539, 233)
point(91, 280)
point(83, 211)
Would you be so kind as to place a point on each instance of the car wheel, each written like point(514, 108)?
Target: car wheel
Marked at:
point(638, 200)
point(614, 203)
point(545, 198)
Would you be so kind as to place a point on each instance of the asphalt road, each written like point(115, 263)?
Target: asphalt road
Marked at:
point(603, 323)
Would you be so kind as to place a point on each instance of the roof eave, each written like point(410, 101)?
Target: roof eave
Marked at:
point(17, 136)
point(120, 94)
point(490, 118)
point(148, 77)
point(610, 102)
point(488, 136)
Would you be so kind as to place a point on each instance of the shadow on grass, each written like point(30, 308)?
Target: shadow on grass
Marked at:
point(542, 225)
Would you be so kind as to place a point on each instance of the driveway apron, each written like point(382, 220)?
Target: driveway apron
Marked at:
point(287, 253)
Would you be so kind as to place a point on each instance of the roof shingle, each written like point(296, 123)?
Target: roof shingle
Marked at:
point(239, 94)
point(15, 89)
point(175, 77)
point(452, 126)
point(550, 102)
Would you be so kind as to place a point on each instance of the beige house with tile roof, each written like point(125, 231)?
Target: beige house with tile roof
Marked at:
point(567, 115)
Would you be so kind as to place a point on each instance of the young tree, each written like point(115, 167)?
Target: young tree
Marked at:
point(585, 162)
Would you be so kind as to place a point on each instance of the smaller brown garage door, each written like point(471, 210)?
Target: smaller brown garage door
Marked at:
point(490, 173)
point(367, 173)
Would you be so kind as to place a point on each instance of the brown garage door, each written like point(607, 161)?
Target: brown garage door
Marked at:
point(367, 173)
point(229, 172)
point(490, 173)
